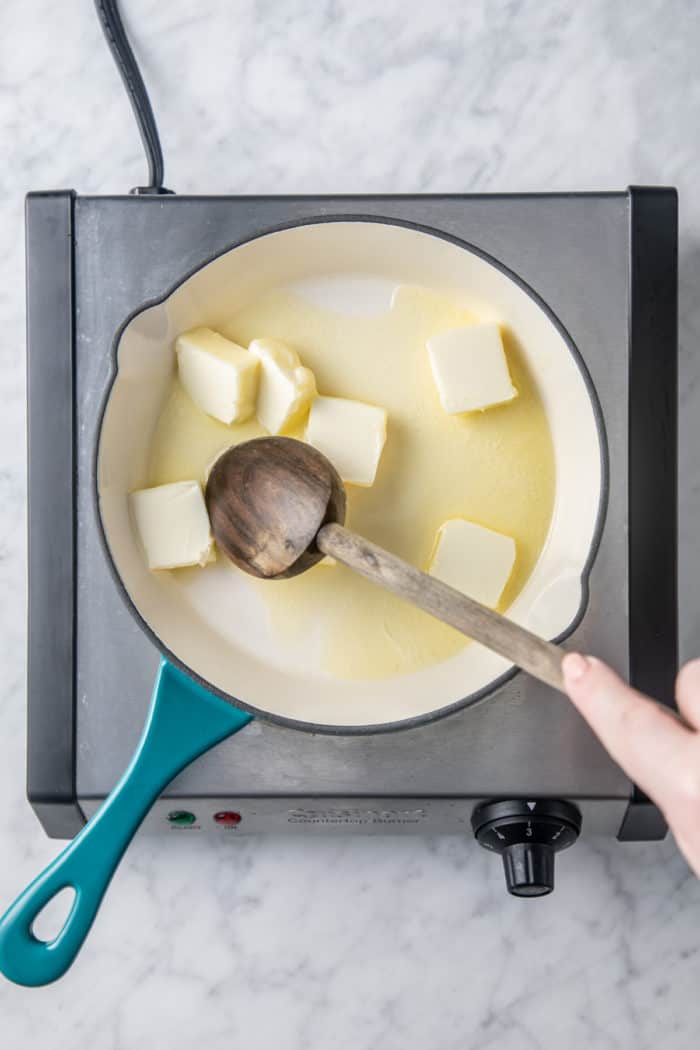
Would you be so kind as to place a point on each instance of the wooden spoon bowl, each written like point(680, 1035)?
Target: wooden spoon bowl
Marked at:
point(267, 499)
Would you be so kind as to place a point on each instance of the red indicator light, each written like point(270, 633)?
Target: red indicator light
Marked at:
point(227, 817)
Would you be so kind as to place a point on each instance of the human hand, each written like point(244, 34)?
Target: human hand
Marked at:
point(654, 748)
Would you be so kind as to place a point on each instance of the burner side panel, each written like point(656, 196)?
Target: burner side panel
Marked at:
point(51, 514)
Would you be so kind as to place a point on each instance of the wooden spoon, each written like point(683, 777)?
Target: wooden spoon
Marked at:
point(277, 506)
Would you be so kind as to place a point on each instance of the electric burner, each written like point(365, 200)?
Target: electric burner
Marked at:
point(518, 768)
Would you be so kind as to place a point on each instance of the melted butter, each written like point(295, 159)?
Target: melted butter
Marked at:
point(495, 468)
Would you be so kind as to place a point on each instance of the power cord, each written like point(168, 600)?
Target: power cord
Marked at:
point(115, 34)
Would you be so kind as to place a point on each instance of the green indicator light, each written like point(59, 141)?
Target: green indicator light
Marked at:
point(181, 818)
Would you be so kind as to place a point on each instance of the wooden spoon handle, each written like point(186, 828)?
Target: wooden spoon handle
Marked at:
point(527, 650)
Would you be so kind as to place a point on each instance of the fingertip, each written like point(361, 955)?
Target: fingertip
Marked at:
point(639, 735)
point(588, 680)
point(574, 667)
point(581, 674)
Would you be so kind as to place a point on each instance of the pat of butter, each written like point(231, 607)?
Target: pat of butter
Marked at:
point(173, 525)
point(470, 368)
point(220, 376)
point(351, 434)
point(472, 559)
point(286, 387)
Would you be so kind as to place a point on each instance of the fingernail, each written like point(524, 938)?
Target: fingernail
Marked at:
point(574, 666)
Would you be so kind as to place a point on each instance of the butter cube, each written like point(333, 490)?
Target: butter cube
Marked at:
point(470, 368)
point(286, 387)
point(472, 559)
point(351, 434)
point(173, 525)
point(220, 376)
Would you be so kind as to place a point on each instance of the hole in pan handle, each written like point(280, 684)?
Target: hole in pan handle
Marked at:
point(184, 720)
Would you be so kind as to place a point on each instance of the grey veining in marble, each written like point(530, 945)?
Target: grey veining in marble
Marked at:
point(391, 943)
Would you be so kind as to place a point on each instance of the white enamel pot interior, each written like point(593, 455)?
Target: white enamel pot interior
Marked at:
point(211, 623)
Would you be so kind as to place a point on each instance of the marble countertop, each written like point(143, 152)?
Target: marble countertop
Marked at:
point(381, 942)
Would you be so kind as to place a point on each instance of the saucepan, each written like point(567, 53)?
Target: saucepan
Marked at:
point(221, 663)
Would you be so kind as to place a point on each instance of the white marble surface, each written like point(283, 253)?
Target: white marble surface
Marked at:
point(381, 942)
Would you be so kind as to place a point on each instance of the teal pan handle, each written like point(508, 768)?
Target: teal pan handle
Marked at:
point(184, 721)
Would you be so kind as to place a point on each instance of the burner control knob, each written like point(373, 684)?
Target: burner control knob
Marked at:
point(527, 835)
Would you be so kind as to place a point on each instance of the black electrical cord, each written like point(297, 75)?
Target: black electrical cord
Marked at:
point(113, 28)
